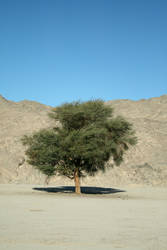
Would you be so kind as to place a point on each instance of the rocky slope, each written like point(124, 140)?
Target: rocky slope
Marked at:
point(144, 164)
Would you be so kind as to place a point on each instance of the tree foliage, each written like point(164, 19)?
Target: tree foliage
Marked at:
point(86, 138)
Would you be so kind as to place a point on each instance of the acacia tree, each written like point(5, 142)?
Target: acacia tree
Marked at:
point(86, 137)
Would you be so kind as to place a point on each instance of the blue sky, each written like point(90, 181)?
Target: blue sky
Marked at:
point(56, 51)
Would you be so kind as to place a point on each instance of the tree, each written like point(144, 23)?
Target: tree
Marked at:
point(86, 137)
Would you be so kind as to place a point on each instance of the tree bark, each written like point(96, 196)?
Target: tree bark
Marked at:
point(77, 181)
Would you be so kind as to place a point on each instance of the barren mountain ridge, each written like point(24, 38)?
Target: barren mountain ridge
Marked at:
point(144, 164)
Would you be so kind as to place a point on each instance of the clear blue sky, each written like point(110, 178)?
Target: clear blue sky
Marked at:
point(56, 51)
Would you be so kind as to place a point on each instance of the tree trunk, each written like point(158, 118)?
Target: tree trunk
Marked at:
point(77, 182)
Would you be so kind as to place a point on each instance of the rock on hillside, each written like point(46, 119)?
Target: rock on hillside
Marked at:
point(144, 164)
point(17, 119)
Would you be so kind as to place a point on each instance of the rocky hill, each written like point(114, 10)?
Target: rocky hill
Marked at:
point(145, 164)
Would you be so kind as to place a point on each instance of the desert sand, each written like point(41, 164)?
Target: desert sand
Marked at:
point(135, 219)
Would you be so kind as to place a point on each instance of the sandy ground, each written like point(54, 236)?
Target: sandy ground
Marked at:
point(132, 220)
